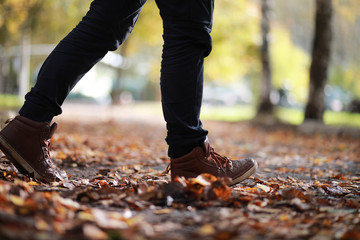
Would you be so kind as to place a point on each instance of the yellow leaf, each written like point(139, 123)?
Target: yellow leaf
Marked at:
point(40, 224)
point(206, 229)
point(341, 146)
point(284, 217)
point(163, 211)
point(16, 200)
point(33, 183)
point(86, 216)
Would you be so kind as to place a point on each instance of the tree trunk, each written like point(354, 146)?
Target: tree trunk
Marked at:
point(265, 105)
point(320, 59)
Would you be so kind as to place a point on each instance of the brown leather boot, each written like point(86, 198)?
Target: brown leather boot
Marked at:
point(26, 143)
point(204, 159)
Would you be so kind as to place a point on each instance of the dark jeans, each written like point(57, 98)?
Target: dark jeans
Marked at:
point(187, 25)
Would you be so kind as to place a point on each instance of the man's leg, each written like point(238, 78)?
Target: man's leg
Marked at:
point(26, 139)
point(106, 25)
point(187, 41)
point(187, 25)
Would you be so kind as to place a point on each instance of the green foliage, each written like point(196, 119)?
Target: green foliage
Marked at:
point(148, 29)
point(346, 77)
point(42, 16)
point(235, 41)
point(290, 64)
point(345, 63)
point(58, 18)
point(15, 16)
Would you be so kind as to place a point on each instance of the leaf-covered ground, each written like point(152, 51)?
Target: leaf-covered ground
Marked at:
point(307, 185)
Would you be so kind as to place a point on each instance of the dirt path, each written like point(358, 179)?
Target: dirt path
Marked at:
point(307, 185)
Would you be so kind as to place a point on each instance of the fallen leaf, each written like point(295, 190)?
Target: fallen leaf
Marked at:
point(206, 230)
point(263, 187)
point(93, 232)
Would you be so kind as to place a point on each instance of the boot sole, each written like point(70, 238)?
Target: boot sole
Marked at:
point(19, 162)
point(247, 174)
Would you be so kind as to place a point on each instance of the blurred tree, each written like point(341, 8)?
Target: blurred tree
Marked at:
point(345, 58)
point(297, 23)
point(235, 36)
point(17, 19)
point(26, 22)
point(290, 47)
point(265, 105)
point(15, 15)
point(57, 18)
point(236, 40)
point(320, 60)
point(290, 65)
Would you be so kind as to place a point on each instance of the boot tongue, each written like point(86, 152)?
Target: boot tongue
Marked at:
point(52, 130)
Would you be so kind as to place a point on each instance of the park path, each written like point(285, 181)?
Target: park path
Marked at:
point(307, 185)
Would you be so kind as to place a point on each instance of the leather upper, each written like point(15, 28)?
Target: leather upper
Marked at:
point(31, 141)
point(204, 159)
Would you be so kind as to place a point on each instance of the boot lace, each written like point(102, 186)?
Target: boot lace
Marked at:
point(46, 151)
point(221, 161)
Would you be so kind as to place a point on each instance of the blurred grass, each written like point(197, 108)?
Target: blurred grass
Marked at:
point(289, 115)
point(296, 116)
point(8, 101)
point(342, 118)
point(228, 113)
